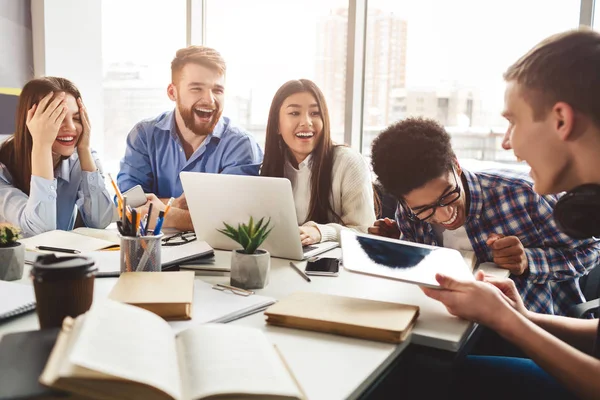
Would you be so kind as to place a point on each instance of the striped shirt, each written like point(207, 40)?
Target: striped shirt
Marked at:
point(504, 202)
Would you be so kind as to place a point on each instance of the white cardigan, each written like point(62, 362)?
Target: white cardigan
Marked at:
point(351, 192)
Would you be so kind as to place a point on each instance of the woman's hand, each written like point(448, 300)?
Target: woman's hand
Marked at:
point(84, 139)
point(45, 118)
point(309, 235)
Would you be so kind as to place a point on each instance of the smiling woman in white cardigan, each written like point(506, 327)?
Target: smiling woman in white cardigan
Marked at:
point(331, 184)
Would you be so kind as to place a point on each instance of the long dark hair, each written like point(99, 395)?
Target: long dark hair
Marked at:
point(15, 152)
point(320, 208)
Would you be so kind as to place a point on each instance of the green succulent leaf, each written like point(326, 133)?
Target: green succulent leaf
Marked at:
point(250, 236)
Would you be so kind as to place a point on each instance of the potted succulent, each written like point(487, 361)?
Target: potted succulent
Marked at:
point(12, 253)
point(249, 265)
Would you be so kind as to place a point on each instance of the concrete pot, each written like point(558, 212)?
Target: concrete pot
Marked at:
point(250, 271)
point(12, 260)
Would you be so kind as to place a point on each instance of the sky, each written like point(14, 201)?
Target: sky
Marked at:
point(267, 42)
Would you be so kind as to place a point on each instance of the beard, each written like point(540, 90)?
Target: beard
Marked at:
point(188, 115)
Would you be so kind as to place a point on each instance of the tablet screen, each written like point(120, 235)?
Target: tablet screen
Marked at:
point(401, 260)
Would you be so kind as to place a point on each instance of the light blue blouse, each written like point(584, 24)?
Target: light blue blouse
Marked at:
point(52, 203)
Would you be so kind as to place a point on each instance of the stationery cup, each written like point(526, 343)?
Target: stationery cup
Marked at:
point(140, 253)
point(64, 286)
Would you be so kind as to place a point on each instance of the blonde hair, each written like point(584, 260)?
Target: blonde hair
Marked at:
point(200, 55)
point(561, 68)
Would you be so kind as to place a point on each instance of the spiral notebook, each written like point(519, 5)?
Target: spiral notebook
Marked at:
point(15, 299)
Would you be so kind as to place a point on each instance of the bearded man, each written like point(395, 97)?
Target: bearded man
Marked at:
point(192, 137)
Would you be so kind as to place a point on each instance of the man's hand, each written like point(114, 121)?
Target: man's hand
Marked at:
point(509, 290)
point(476, 301)
point(385, 227)
point(157, 207)
point(508, 253)
point(180, 202)
point(309, 235)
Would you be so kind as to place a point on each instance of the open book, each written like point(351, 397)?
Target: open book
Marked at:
point(118, 348)
point(80, 239)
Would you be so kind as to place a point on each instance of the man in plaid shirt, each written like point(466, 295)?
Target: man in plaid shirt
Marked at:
point(496, 214)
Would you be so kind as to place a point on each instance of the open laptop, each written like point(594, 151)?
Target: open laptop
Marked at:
point(216, 198)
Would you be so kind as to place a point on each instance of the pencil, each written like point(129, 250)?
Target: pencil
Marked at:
point(114, 185)
point(168, 207)
point(302, 274)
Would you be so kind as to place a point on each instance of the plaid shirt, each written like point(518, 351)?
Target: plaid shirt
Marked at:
point(504, 202)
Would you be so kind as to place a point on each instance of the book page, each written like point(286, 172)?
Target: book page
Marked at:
point(130, 343)
point(64, 239)
point(229, 359)
point(110, 235)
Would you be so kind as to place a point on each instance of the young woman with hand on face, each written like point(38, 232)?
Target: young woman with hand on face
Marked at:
point(331, 184)
point(47, 168)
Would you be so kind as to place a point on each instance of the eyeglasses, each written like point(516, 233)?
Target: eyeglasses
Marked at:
point(444, 201)
point(179, 238)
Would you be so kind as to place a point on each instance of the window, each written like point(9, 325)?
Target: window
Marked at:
point(266, 43)
point(139, 40)
point(446, 59)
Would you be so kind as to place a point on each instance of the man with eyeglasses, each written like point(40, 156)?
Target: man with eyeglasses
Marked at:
point(495, 213)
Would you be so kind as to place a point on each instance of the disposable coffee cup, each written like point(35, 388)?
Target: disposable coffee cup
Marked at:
point(64, 286)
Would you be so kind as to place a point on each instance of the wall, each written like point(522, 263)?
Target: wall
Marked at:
point(16, 54)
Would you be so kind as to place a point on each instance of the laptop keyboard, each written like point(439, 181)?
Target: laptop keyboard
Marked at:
point(306, 249)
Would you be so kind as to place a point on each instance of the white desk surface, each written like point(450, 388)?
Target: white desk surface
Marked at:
point(327, 366)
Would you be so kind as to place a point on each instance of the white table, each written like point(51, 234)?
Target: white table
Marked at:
point(327, 366)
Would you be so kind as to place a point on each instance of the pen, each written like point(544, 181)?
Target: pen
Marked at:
point(159, 222)
point(114, 274)
point(302, 274)
point(144, 225)
point(58, 249)
point(135, 221)
point(148, 218)
point(124, 215)
point(235, 290)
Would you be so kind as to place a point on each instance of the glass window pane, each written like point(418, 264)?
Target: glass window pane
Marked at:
point(268, 42)
point(445, 59)
point(139, 40)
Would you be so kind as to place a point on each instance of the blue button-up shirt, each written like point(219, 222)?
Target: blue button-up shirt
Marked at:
point(52, 203)
point(504, 202)
point(154, 156)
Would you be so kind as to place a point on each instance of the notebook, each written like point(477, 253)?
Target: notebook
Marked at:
point(148, 361)
point(185, 253)
point(347, 316)
point(15, 299)
point(23, 356)
point(167, 294)
point(212, 305)
point(70, 240)
point(197, 253)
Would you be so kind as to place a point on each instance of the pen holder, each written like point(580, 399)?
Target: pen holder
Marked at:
point(140, 253)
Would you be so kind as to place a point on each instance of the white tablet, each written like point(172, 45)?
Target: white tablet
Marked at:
point(401, 260)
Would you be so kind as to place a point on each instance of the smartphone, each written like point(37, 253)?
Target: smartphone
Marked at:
point(135, 197)
point(322, 266)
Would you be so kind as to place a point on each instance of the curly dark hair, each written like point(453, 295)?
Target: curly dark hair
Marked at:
point(410, 153)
